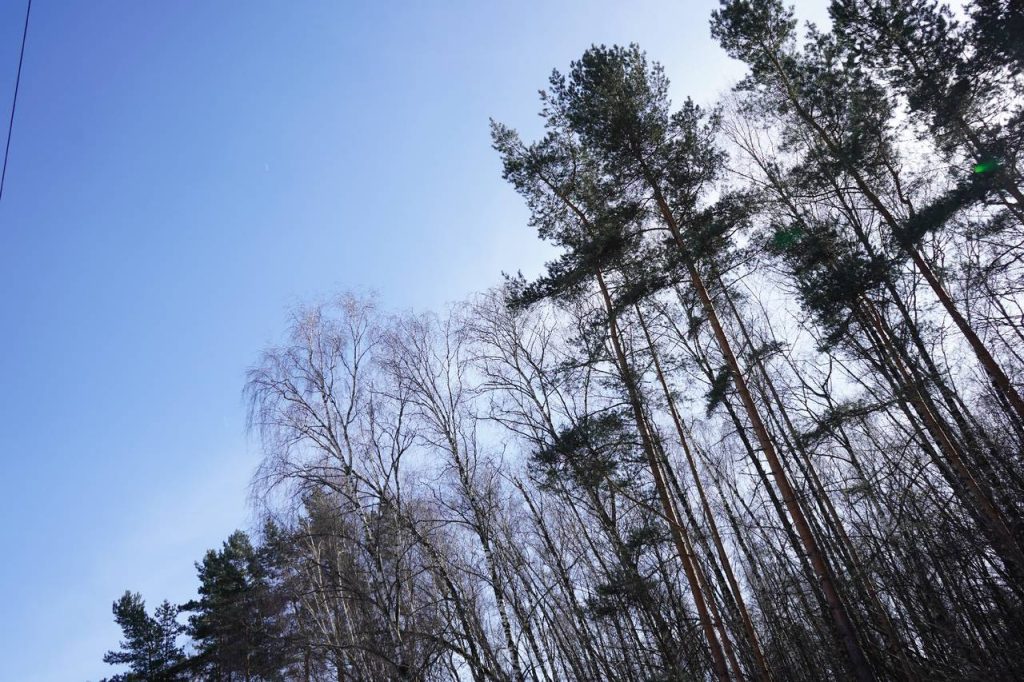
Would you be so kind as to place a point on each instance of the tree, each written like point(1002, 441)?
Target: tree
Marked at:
point(797, 84)
point(150, 645)
point(236, 622)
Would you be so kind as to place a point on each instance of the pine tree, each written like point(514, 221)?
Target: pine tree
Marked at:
point(843, 123)
point(150, 646)
point(234, 623)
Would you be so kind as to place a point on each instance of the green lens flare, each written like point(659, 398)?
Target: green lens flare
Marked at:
point(986, 166)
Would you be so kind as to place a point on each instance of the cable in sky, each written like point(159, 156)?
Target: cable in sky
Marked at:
point(14, 101)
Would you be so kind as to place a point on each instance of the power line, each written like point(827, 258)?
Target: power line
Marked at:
point(14, 101)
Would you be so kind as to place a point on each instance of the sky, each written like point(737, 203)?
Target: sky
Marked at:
point(184, 173)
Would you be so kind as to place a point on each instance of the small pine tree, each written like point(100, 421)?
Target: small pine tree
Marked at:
point(150, 645)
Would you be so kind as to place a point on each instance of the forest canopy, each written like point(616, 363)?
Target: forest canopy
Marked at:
point(761, 418)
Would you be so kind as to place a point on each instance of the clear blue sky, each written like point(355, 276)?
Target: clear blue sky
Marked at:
point(181, 174)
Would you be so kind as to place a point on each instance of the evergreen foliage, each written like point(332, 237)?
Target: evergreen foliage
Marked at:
point(150, 647)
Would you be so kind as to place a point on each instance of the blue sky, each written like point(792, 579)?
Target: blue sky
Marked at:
point(181, 174)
